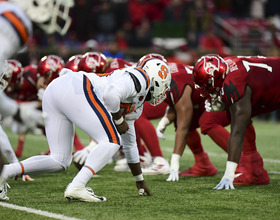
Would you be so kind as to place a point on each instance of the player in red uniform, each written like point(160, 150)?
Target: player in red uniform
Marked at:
point(246, 87)
point(187, 105)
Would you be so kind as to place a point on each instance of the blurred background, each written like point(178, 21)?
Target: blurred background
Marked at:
point(181, 30)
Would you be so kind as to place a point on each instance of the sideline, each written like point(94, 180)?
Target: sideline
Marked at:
point(37, 211)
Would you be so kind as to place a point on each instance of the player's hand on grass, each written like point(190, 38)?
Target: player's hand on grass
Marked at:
point(225, 184)
point(173, 175)
point(143, 188)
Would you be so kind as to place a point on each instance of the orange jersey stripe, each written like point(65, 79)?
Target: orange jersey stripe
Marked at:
point(18, 25)
point(101, 111)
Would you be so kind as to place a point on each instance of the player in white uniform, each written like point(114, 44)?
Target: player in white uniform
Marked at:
point(105, 107)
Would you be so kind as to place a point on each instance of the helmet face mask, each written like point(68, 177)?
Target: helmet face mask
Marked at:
point(160, 77)
point(209, 73)
point(94, 62)
point(10, 74)
point(50, 15)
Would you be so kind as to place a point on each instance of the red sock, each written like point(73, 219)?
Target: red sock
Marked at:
point(19, 149)
point(249, 145)
point(147, 133)
point(220, 136)
point(77, 143)
point(194, 142)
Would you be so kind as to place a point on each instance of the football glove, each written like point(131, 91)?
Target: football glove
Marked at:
point(174, 168)
point(214, 106)
point(225, 184)
point(164, 121)
point(40, 94)
point(81, 155)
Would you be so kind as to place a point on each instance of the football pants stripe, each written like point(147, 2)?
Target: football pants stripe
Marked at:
point(18, 26)
point(101, 112)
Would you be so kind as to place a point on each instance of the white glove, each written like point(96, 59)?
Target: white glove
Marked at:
point(164, 121)
point(173, 175)
point(30, 115)
point(227, 180)
point(81, 155)
point(214, 106)
point(40, 94)
point(225, 184)
point(174, 168)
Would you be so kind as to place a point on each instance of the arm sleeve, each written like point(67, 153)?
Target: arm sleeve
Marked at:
point(8, 106)
point(118, 91)
point(129, 144)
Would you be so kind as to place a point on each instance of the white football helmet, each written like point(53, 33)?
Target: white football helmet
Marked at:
point(50, 15)
point(160, 76)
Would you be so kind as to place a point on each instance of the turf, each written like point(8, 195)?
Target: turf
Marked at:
point(190, 198)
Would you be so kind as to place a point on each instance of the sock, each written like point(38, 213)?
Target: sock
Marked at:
point(77, 143)
point(194, 142)
point(147, 133)
point(249, 145)
point(220, 136)
point(19, 149)
point(95, 161)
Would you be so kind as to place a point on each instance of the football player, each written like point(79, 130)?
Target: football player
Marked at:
point(109, 103)
point(184, 109)
point(245, 87)
point(98, 63)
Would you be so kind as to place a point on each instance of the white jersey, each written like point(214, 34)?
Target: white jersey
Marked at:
point(16, 29)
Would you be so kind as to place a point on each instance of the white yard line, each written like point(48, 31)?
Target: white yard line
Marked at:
point(37, 211)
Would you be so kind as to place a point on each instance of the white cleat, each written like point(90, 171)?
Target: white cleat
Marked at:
point(158, 166)
point(3, 190)
point(84, 194)
point(121, 166)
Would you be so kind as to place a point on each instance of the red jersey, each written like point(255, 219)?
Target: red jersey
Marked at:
point(117, 63)
point(262, 74)
point(28, 80)
point(181, 76)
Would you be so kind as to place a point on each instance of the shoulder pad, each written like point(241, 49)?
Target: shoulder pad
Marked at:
point(136, 82)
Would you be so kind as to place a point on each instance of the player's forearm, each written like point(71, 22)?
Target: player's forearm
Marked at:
point(180, 141)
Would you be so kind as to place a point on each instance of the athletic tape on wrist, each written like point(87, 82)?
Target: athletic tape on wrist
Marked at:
point(119, 121)
point(139, 178)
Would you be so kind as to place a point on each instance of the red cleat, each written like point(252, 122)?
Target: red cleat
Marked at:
point(202, 167)
point(252, 171)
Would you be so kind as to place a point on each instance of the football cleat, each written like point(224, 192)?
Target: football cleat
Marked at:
point(158, 166)
point(3, 189)
point(84, 194)
point(121, 166)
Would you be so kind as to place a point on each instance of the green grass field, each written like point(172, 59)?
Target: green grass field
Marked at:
point(190, 198)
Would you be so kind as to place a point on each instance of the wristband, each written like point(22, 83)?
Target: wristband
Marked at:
point(119, 121)
point(175, 161)
point(139, 178)
point(230, 170)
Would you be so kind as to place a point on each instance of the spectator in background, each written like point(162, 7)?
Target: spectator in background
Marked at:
point(113, 50)
point(211, 43)
point(175, 11)
point(199, 21)
point(137, 11)
point(105, 22)
point(142, 35)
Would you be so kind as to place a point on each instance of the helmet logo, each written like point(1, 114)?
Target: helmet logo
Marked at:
point(51, 63)
point(163, 72)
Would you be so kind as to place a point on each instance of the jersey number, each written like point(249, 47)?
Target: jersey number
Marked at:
point(261, 65)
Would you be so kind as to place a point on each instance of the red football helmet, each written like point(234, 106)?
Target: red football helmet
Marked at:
point(73, 63)
point(151, 55)
point(11, 74)
point(93, 62)
point(209, 73)
point(50, 66)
